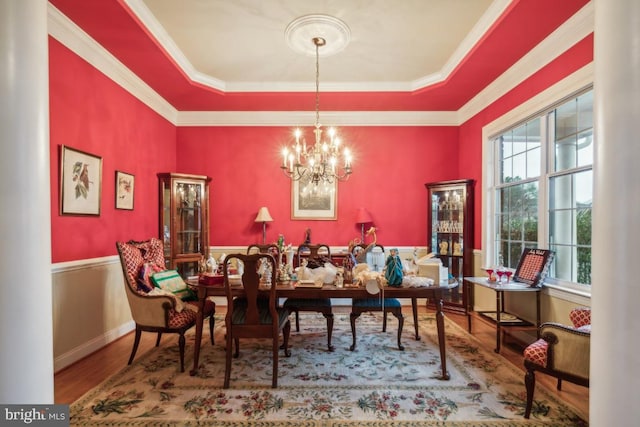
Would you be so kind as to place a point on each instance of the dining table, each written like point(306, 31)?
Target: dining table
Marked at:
point(292, 290)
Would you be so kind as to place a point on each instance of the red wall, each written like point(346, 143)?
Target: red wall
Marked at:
point(391, 166)
point(91, 113)
point(470, 159)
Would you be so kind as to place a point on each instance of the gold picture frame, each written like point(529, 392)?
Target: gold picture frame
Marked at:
point(125, 186)
point(80, 182)
point(314, 201)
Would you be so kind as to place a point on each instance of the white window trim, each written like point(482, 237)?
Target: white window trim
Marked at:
point(564, 88)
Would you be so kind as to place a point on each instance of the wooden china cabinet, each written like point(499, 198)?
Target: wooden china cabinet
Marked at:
point(450, 235)
point(184, 220)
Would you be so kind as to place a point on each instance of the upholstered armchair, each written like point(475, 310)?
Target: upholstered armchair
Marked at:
point(160, 313)
point(562, 352)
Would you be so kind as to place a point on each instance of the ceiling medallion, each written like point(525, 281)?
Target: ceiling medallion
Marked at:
point(336, 33)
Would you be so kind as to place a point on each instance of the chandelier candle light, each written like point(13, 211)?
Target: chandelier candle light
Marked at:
point(324, 162)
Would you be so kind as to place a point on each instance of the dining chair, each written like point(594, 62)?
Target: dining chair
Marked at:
point(155, 313)
point(268, 248)
point(385, 305)
point(374, 256)
point(319, 305)
point(249, 317)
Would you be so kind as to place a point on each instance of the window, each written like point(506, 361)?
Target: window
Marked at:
point(543, 187)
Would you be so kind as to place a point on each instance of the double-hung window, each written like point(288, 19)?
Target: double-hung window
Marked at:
point(543, 189)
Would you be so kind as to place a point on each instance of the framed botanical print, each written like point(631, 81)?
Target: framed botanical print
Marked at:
point(313, 201)
point(124, 190)
point(80, 182)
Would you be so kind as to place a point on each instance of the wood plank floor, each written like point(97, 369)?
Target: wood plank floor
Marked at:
point(74, 381)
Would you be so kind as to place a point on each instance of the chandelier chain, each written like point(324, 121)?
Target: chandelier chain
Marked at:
point(317, 82)
point(325, 162)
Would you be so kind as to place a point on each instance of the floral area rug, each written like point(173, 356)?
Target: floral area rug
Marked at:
point(375, 385)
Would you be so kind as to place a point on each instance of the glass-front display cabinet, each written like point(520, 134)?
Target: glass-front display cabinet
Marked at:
point(184, 220)
point(450, 235)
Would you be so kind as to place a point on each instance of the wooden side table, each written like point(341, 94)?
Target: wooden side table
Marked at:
point(500, 318)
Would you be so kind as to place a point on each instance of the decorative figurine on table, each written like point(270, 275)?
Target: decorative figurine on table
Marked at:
point(280, 245)
point(361, 257)
point(289, 254)
point(393, 269)
point(211, 264)
point(284, 275)
point(307, 236)
point(266, 274)
point(202, 265)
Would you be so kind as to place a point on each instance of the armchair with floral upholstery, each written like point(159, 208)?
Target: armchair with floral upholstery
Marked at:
point(562, 352)
point(154, 310)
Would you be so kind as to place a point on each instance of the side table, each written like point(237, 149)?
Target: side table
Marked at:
point(500, 318)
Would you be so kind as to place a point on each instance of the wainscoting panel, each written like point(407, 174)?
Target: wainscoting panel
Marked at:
point(90, 308)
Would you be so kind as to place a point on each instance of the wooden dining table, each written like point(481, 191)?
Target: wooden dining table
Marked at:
point(290, 290)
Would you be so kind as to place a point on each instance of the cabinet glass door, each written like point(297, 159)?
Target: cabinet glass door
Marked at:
point(188, 217)
point(447, 223)
point(184, 220)
point(450, 235)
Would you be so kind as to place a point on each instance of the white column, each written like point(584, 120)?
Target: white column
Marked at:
point(26, 337)
point(615, 298)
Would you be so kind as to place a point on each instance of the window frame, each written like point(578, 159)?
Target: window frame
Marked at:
point(539, 106)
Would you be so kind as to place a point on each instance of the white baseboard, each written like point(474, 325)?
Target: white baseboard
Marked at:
point(92, 346)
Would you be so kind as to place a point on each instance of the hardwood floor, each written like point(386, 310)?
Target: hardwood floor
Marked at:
point(74, 381)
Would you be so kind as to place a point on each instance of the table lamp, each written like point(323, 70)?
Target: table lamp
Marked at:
point(264, 216)
point(363, 217)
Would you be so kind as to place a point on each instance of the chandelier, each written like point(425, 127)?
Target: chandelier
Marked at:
point(324, 162)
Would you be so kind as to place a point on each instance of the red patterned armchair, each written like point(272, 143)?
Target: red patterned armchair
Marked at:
point(155, 312)
point(562, 352)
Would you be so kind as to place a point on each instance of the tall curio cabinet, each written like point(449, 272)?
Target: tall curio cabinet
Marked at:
point(184, 220)
point(450, 235)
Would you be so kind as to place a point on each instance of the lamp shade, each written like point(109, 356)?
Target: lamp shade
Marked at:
point(263, 215)
point(363, 216)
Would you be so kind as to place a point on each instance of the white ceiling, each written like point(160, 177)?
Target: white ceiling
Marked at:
point(239, 45)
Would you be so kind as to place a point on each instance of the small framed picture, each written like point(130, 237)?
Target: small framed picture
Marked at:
point(124, 190)
point(80, 182)
point(313, 201)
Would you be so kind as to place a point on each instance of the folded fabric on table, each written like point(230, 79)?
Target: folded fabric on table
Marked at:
point(416, 282)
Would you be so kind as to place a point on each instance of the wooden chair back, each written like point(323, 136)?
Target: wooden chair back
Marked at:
point(308, 250)
point(270, 248)
point(250, 323)
point(255, 314)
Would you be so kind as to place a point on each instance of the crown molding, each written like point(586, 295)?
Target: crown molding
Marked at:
point(571, 32)
point(74, 38)
point(575, 29)
point(337, 118)
point(478, 31)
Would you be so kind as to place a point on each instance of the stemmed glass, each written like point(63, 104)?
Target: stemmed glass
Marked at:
point(490, 273)
point(508, 273)
point(500, 273)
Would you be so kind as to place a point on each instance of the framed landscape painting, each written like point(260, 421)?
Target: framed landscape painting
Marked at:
point(313, 201)
point(124, 190)
point(80, 182)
